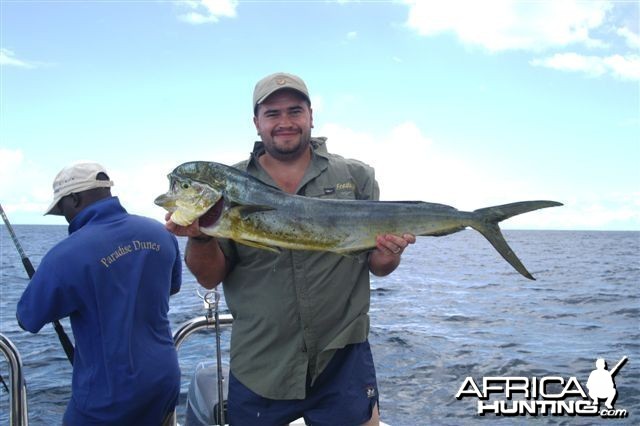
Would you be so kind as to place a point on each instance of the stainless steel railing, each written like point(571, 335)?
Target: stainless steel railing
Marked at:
point(18, 415)
point(211, 320)
point(203, 322)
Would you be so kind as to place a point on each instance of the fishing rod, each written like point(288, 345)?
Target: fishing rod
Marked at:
point(4, 384)
point(28, 266)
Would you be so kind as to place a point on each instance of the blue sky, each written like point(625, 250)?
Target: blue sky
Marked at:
point(465, 103)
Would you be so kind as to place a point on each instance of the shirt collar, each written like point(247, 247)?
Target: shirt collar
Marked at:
point(97, 212)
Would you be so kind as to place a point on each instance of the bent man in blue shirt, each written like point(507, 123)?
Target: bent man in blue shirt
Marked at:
point(112, 276)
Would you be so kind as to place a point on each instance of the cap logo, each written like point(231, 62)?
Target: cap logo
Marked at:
point(281, 81)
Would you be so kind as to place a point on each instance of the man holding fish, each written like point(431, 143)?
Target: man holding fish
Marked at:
point(299, 343)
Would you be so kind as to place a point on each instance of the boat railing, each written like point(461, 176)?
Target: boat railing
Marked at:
point(18, 414)
point(199, 323)
point(211, 320)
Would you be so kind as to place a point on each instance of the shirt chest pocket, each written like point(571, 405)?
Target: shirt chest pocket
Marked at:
point(342, 190)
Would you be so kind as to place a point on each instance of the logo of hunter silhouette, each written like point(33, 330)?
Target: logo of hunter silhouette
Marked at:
point(601, 385)
point(549, 395)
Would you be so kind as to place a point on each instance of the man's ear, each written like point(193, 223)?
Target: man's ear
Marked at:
point(255, 123)
point(77, 200)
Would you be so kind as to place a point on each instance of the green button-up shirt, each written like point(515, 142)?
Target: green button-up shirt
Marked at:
point(293, 309)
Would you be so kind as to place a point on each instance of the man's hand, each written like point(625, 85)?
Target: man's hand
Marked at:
point(192, 230)
point(386, 256)
point(394, 245)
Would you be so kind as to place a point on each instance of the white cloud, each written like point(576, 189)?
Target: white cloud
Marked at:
point(592, 211)
point(10, 161)
point(632, 39)
point(137, 187)
point(621, 67)
point(197, 18)
point(7, 58)
point(624, 67)
point(208, 10)
point(226, 8)
point(500, 25)
point(21, 183)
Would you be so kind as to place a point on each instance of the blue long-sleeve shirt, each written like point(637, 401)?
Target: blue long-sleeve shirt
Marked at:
point(112, 276)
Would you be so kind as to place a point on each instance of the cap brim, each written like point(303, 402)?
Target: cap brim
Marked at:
point(277, 89)
point(54, 209)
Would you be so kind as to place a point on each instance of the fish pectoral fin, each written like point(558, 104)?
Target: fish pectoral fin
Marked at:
point(258, 245)
point(246, 210)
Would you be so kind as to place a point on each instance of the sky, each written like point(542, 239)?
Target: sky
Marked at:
point(465, 103)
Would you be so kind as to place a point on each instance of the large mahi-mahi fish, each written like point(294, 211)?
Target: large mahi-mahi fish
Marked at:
point(229, 203)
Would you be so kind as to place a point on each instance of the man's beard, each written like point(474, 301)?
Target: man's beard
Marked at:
point(289, 152)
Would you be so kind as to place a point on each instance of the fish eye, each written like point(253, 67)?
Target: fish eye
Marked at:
point(184, 185)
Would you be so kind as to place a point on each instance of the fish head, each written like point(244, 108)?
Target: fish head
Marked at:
point(190, 197)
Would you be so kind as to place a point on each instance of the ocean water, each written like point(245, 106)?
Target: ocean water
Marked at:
point(454, 309)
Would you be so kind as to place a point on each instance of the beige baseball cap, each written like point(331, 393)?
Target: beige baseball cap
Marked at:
point(76, 178)
point(278, 81)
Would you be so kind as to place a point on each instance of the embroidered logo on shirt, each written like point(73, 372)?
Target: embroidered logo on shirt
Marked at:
point(371, 392)
point(347, 186)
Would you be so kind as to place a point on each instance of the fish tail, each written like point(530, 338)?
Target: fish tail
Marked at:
point(487, 220)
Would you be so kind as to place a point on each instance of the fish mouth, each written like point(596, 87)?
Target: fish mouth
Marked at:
point(162, 201)
point(211, 216)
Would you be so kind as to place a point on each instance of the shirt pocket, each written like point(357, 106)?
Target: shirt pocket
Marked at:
point(339, 191)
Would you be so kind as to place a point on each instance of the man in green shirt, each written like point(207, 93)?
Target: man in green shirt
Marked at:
point(299, 343)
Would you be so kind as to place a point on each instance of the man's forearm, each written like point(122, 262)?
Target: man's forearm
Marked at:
point(205, 260)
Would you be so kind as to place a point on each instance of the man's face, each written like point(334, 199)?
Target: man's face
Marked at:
point(284, 121)
point(67, 206)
